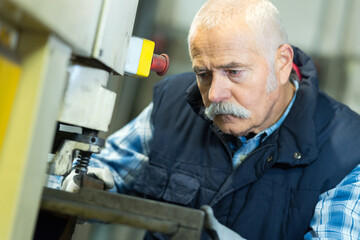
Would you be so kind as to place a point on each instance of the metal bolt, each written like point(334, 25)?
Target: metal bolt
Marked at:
point(269, 159)
point(297, 155)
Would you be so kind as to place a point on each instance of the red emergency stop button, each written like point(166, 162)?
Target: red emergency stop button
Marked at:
point(160, 64)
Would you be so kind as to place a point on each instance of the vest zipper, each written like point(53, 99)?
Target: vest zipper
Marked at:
point(224, 145)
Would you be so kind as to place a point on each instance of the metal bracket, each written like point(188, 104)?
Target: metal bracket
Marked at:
point(61, 164)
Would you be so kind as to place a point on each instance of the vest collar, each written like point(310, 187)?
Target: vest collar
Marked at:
point(297, 137)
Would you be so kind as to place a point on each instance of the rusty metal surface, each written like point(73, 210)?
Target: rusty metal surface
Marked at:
point(180, 222)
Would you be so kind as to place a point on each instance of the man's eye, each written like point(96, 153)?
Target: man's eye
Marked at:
point(202, 75)
point(234, 73)
point(204, 78)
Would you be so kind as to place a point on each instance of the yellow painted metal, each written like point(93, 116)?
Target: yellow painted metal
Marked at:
point(9, 78)
point(15, 147)
point(145, 58)
point(29, 134)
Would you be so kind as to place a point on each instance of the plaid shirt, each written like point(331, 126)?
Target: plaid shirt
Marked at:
point(337, 213)
point(126, 150)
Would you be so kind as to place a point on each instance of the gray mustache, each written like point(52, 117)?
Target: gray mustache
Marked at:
point(226, 108)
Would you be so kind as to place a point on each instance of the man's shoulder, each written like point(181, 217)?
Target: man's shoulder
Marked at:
point(339, 122)
point(339, 110)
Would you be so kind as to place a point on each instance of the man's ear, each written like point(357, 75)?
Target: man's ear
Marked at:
point(283, 62)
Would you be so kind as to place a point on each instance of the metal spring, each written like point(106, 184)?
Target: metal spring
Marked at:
point(83, 162)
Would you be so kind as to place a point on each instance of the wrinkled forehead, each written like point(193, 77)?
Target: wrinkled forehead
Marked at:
point(222, 40)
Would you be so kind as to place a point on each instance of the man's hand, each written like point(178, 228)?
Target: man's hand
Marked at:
point(72, 182)
point(216, 230)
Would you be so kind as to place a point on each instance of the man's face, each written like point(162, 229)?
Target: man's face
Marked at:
point(229, 69)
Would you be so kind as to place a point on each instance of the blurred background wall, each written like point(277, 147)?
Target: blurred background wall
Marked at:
point(327, 30)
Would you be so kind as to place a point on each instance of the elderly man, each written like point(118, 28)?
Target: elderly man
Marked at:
point(247, 136)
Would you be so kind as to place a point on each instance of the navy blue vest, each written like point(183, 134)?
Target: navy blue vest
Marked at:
point(273, 193)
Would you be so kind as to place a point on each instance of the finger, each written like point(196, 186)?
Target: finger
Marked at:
point(73, 188)
point(104, 175)
point(108, 179)
point(208, 210)
point(210, 221)
point(71, 183)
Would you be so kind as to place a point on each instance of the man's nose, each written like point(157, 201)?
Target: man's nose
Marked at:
point(219, 90)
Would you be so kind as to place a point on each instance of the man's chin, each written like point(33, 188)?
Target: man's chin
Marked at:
point(229, 124)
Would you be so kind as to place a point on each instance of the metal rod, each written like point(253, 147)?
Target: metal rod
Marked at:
point(133, 211)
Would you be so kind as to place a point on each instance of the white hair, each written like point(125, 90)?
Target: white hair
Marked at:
point(261, 16)
point(226, 108)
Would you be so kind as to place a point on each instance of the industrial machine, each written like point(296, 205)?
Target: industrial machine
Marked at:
point(55, 60)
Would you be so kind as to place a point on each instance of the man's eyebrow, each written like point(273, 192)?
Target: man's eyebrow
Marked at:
point(224, 66)
point(199, 69)
point(231, 65)
point(194, 52)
